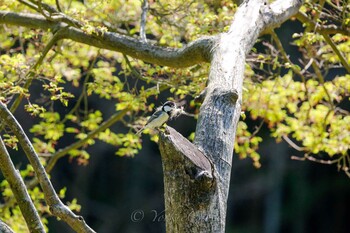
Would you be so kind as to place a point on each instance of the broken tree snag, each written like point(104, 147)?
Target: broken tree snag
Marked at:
point(189, 181)
point(180, 153)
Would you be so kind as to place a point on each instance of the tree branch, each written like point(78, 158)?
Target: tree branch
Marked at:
point(325, 33)
point(341, 57)
point(19, 190)
point(279, 11)
point(51, 13)
point(143, 21)
point(4, 228)
point(196, 52)
point(57, 208)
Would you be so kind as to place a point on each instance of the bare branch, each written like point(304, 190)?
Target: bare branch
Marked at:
point(58, 5)
point(196, 52)
point(51, 13)
point(292, 144)
point(143, 21)
point(57, 208)
point(279, 11)
point(308, 157)
point(4, 228)
point(19, 190)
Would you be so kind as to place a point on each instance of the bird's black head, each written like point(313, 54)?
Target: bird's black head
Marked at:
point(168, 106)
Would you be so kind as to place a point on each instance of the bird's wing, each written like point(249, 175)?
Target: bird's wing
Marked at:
point(154, 115)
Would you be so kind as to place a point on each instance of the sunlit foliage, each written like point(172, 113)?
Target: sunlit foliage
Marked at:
point(302, 101)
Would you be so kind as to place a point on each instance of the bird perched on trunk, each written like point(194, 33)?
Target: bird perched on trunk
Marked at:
point(160, 116)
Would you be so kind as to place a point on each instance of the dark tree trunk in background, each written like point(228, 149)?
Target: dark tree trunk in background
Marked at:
point(197, 176)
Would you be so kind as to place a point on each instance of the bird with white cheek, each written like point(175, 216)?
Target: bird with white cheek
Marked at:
point(160, 116)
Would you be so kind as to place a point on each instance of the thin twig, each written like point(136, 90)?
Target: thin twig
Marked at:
point(30, 74)
point(257, 129)
point(325, 31)
point(310, 158)
point(320, 77)
point(138, 75)
point(143, 21)
point(337, 52)
point(51, 13)
point(307, 66)
point(292, 144)
point(58, 5)
point(83, 92)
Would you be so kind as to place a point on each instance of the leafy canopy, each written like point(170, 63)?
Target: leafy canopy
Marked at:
point(303, 100)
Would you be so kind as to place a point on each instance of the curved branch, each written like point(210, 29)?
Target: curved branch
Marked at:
point(4, 228)
point(19, 191)
point(57, 208)
point(194, 53)
point(51, 13)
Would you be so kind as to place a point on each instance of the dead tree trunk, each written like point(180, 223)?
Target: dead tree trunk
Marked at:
point(197, 176)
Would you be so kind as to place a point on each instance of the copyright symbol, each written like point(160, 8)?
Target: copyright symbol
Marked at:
point(137, 215)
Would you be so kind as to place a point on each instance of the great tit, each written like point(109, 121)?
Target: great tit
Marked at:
point(160, 116)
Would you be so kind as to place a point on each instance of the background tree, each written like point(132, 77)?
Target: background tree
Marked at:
point(302, 101)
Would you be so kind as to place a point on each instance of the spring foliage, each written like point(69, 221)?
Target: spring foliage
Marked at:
point(303, 100)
